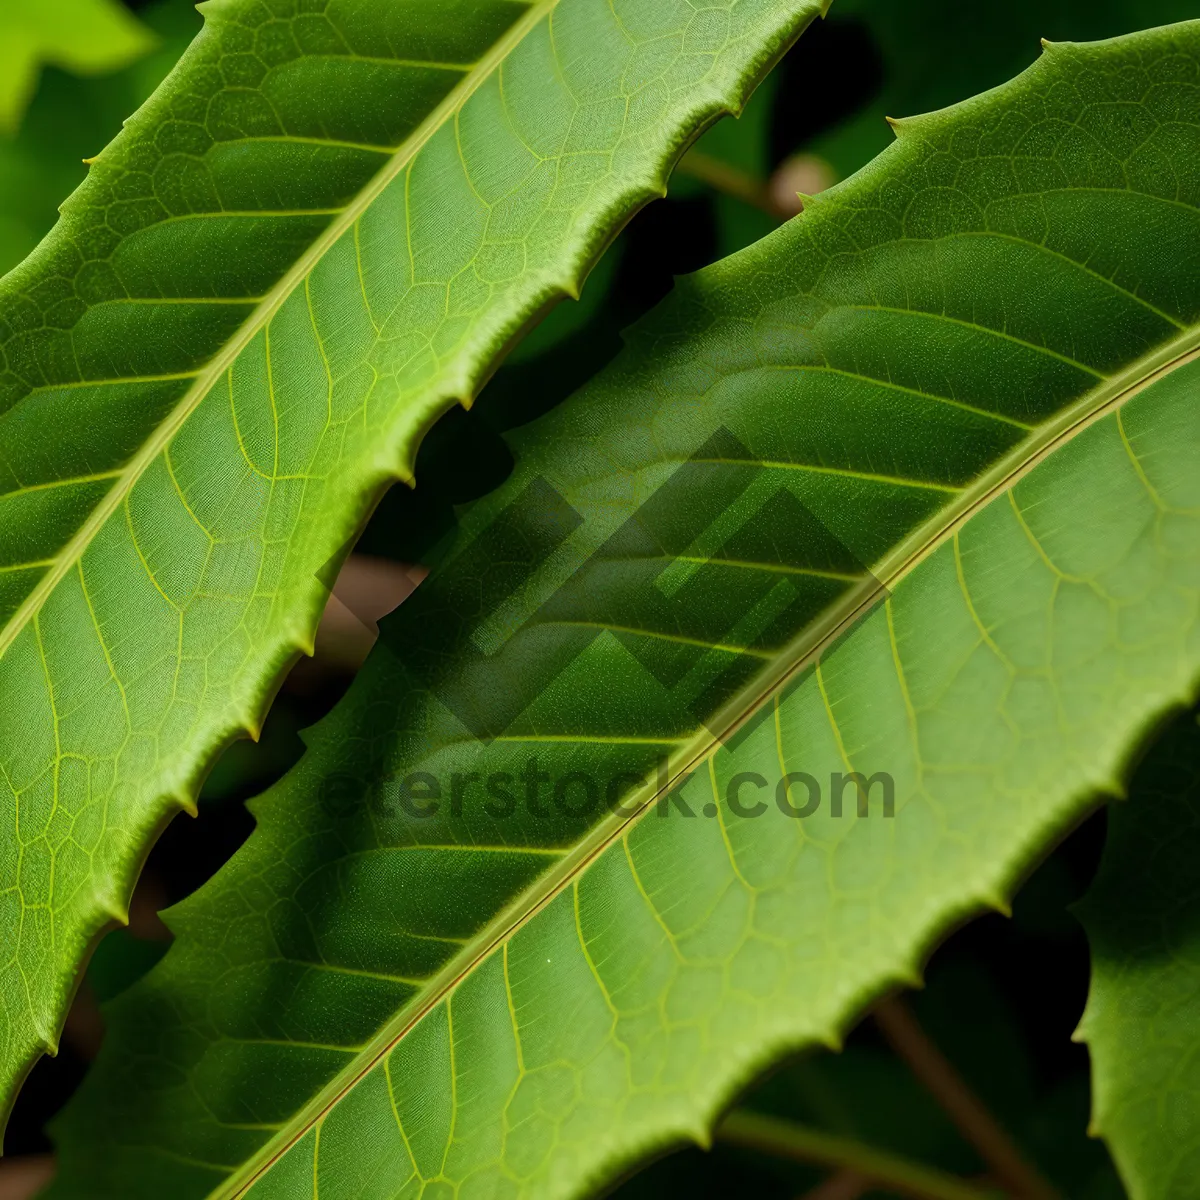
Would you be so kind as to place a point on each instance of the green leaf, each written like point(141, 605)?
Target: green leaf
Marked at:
point(970, 368)
point(68, 120)
point(87, 37)
point(319, 234)
point(932, 53)
point(939, 51)
point(1143, 924)
point(742, 145)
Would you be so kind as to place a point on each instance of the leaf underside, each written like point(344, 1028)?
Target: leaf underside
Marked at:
point(318, 234)
point(1142, 922)
point(526, 998)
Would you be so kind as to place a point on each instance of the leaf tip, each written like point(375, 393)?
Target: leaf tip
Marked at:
point(1080, 1034)
point(115, 912)
point(251, 724)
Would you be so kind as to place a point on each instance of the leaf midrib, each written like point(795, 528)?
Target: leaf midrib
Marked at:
point(1107, 397)
point(266, 308)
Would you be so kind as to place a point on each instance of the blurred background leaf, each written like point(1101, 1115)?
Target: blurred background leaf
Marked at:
point(1143, 921)
point(74, 112)
point(86, 37)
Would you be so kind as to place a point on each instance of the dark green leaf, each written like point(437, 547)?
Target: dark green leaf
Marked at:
point(1143, 921)
point(939, 51)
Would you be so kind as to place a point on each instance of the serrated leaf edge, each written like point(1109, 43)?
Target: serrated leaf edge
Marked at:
point(475, 362)
point(993, 894)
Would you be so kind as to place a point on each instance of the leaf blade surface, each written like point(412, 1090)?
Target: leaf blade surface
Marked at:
point(896, 387)
point(318, 234)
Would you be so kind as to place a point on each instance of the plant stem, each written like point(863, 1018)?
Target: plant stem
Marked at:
point(773, 1136)
point(974, 1122)
point(845, 1185)
point(731, 181)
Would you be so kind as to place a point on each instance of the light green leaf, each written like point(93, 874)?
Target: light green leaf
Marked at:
point(88, 37)
point(970, 368)
point(1142, 1025)
point(318, 234)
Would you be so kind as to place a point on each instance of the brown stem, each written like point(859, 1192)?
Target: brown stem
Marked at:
point(802, 1144)
point(23, 1178)
point(845, 1185)
point(974, 1122)
point(730, 180)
